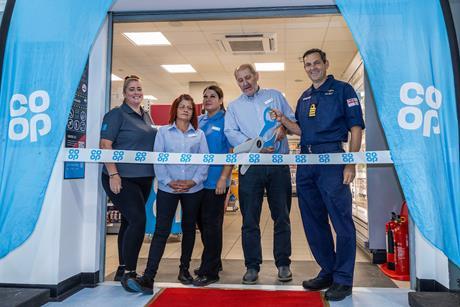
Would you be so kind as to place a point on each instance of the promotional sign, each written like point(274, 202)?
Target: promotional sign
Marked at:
point(406, 51)
point(46, 51)
point(75, 134)
point(151, 214)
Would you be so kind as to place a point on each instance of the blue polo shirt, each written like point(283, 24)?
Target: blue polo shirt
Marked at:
point(213, 128)
point(337, 110)
point(129, 130)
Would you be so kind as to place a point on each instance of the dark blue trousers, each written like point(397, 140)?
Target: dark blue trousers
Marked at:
point(322, 195)
point(276, 180)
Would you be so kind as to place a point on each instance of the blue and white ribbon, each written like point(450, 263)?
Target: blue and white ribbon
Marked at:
point(145, 157)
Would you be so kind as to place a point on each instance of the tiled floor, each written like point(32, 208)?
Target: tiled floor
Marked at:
point(372, 288)
point(111, 294)
point(232, 249)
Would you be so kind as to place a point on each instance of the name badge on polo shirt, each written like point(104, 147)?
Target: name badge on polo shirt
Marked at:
point(329, 92)
point(268, 101)
point(215, 128)
point(312, 110)
point(192, 135)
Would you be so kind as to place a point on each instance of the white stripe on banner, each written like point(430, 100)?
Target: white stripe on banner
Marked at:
point(145, 157)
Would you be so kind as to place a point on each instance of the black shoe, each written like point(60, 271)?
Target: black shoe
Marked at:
point(141, 284)
point(284, 273)
point(317, 283)
point(124, 280)
point(120, 272)
point(338, 292)
point(202, 281)
point(197, 272)
point(184, 277)
point(250, 277)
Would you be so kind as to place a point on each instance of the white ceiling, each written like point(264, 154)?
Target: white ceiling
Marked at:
point(194, 42)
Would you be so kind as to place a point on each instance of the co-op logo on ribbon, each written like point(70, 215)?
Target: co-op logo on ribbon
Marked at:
point(411, 117)
point(39, 124)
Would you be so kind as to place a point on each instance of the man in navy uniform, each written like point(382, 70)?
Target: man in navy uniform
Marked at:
point(326, 112)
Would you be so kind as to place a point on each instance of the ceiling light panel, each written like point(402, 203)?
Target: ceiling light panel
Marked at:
point(180, 68)
point(269, 66)
point(150, 97)
point(116, 78)
point(147, 38)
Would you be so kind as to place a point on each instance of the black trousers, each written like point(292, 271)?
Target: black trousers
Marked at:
point(166, 209)
point(276, 180)
point(131, 204)
point(210, 220)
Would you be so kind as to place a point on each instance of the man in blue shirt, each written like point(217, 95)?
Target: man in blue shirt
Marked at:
point(250, 116)
point(325, 113)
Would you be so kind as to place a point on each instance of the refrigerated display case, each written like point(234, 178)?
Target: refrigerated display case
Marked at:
point(375, 190)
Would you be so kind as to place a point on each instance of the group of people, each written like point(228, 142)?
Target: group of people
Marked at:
point(325, 115)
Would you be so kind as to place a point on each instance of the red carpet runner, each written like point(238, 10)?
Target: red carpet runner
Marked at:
point(186, 297)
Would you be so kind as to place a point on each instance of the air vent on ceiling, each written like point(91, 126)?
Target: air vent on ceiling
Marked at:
point(254, 43)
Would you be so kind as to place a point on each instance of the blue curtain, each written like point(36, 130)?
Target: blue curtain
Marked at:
point(46, 51)
point(405, 48)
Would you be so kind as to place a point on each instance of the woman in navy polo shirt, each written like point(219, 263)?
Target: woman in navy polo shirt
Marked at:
point(211, 214)
point(176, 182)
point(128, 127)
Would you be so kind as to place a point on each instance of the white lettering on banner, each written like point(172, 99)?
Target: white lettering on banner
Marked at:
point(40, 123)
point(413, 94)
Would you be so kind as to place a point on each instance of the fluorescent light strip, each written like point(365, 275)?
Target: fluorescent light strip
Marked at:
point(150, 97)
point(147, 38)
point(116, 78)
point(180, 68)
point(269, 66)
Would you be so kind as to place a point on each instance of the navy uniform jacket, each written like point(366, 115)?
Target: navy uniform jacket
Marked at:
point(336, 110)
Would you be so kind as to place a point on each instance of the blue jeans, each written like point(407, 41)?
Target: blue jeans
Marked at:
point(276, 180)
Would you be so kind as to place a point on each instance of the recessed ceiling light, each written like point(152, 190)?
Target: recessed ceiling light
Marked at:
point(116, 78)
point(147, 38)
point(180, 68)
point(150, 97)
point(269, 66)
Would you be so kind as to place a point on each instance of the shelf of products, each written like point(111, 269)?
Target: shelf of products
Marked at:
point(231, 203)
point(294, 149)
point(113, 219)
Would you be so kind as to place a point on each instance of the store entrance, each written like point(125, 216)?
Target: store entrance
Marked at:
point(212, 49)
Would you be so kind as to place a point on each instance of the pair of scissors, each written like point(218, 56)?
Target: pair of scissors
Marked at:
point(270, 123)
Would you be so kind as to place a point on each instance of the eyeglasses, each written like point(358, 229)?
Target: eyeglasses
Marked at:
point(132, 77)
point(183, 107)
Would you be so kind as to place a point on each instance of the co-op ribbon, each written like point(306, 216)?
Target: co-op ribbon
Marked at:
point(146, 157)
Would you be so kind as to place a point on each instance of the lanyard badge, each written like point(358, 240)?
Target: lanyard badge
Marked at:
point(312, 110)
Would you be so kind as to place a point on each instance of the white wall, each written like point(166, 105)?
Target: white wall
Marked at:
point(430, 262)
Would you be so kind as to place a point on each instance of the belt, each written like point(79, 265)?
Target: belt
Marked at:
point(322, 148)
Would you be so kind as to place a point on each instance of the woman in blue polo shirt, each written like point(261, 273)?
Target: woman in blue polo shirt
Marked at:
point(128, 127)
point(176, 182)
point(211, 214)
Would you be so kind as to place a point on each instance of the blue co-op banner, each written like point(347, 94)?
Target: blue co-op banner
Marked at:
point(405, 47)
point(46, 51)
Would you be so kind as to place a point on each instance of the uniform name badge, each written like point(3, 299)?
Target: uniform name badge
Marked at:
point(312, 110)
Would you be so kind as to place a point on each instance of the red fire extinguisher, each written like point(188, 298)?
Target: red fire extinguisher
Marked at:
point(389, 228)
point(401, 246)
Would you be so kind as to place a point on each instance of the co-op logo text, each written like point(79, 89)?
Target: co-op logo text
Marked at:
point(410, 117)
point(40, 123)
